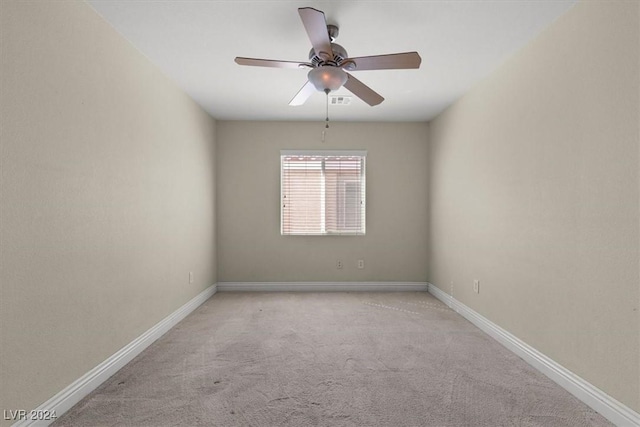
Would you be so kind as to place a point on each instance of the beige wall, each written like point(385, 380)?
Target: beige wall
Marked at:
point(107, 197)
point(534, 191)
point(250, 247)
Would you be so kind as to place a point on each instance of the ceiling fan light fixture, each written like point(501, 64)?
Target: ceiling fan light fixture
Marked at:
point(327, 77)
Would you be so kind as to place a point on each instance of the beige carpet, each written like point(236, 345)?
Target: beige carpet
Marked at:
point(328, 359)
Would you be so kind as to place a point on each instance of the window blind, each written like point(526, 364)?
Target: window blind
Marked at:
point(323, 192)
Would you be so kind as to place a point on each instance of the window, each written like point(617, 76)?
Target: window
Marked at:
point(323, 192)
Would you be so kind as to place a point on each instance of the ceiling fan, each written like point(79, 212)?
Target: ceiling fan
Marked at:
point(328, 62)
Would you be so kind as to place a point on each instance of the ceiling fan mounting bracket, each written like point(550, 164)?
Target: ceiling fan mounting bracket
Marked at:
point(333, 31)
point(348, 65)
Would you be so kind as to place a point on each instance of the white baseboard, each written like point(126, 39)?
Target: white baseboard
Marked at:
point(607, 406)
point(64, 400)
point(322, 286)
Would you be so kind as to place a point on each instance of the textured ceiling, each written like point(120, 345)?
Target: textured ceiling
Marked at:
point(195, 42)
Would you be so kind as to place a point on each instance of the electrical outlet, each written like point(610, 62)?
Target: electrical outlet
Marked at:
point(476, 286)
point(338, 264)
point(191, 277)
point(360, 264)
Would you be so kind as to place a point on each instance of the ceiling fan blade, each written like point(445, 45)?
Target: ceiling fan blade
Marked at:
point(363, 91)
point(303, 94)
point(270, 63)
point(316, 26)
point(395, 61)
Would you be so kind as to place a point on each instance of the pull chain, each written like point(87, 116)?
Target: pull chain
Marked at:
point(327, 119)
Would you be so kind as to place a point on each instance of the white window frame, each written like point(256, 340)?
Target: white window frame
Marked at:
point(326, 154)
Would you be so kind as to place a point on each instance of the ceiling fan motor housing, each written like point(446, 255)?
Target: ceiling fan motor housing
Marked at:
point(339, 55)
